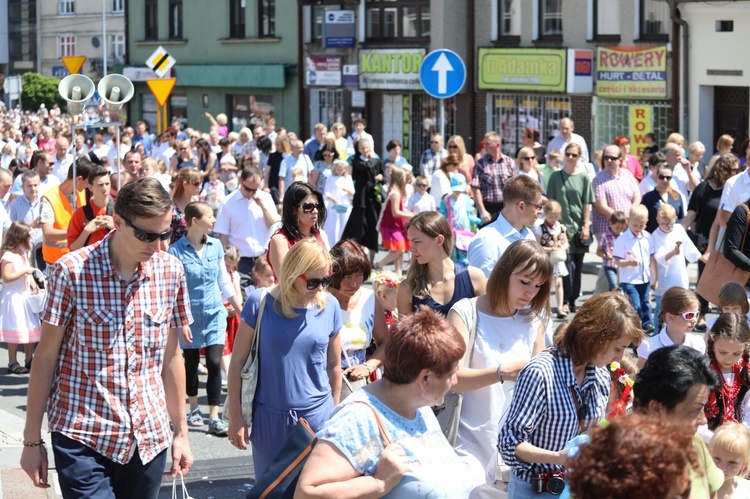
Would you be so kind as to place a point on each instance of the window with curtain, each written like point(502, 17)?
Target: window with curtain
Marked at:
point(655, 23)
point(267, 18)
point(175, 19)
point(606, 18)
point(509, 22)
point(550, 18)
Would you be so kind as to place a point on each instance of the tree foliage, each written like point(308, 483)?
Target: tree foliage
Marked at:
point(38, 90)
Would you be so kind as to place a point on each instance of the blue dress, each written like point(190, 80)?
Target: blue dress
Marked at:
point(463, 288)
point(203, 272)
point(292, 372)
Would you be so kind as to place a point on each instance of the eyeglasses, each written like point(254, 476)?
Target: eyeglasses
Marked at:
point(539, 207)
point(145, 235)
point(327, 155)
point(611, 158)
point(529, 158)
point(453, 146)
point(665, 177)
point(183, 148)
point(571, 155)
point(421, 185)
point(313, 283)
point(434, 142)
point(309, 207)
point(248, 189)
point(196, 184)
point(689, 316)
point(667, 224)
point(51, 163)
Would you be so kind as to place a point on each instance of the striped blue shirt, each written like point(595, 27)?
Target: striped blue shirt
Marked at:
point(543, 411)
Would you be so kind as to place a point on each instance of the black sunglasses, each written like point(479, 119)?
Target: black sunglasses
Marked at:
point(247, 188)
point(421, 185)
point(612, 158)
point(309, 207)
point(145, 235)
point(571, 155)
point(313, 283)
point(665, 177)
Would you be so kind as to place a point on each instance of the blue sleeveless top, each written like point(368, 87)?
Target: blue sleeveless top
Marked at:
point(463, 288)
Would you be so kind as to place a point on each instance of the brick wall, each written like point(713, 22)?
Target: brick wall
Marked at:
point(581, 115)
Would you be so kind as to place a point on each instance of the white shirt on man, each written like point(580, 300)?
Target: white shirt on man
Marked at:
point(243, 221)
point(558, 144)
point(491, 242)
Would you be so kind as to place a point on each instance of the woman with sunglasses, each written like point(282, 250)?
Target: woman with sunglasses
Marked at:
point(299, 350)
point(324, 158)
point(303, 215)
point(205, 157)
point(530, 138)
point(528, 164)
point(571, 187)
point(456, 145)
point(184, 157)
point(207, 278)
point(186, 187)
point(663, 193)
point(563, 392)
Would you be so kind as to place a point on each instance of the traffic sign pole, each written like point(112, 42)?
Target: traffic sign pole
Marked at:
point(442, 75)
point(442, 118)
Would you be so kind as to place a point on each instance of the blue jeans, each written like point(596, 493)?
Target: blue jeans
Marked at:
point(639, 298)
point(657, 309)
point(84, 473)
point(519, 489)
point(611, 274)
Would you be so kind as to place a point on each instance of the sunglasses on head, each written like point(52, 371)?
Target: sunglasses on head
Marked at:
point(145, 235)
point(689, 316)
point(665, 177)
point(309, 207)
point(611, 158)
point(313, 283)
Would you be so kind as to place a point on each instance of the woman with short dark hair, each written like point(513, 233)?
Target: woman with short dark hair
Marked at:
point(674, 384)
point(351, 459)
point(563, 391)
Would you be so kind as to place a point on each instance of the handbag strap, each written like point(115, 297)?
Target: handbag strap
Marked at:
point(747, 224)
point(385, 435)
point(255, 347)
point(447, 202)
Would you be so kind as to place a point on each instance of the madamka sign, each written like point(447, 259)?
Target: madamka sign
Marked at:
point(390, 69)
point(631, 72)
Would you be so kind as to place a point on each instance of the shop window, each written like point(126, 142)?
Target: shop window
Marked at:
point(509, 19)
point(66, 46)
point(151, 20)
point(236, 18)
point(389, 19)
point(550, 19)
point(606, 18)
point(175, 19)
point(267, 18)
point(326, 106)
point(511, 113)
point(66, 7)
point(250, 110)
point(654, 21)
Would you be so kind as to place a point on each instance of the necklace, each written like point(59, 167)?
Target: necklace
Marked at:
point(729, 393)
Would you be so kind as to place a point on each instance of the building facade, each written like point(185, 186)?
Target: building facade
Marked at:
point(78, 27)
point(20, 38)
point(239, 57)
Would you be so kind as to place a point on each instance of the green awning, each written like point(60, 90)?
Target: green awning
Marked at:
point(251, 75)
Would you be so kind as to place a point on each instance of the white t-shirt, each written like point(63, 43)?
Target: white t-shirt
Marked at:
point(418, 203)
point(243, 222)
point(661, 340)
point(639, 247)
point(672, 272)
point(736, 191)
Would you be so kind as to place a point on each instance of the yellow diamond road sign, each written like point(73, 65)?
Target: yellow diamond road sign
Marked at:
point(161, 62)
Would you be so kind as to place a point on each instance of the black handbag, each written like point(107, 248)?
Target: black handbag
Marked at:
point(280, 479)
point(577, 240)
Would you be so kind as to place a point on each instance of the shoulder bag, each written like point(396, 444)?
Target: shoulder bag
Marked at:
point(249, 373)
point(279, 481)
point(719, 270)
point(448, 413)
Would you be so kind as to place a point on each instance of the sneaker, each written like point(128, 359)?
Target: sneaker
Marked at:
point(195, 418)
point(217, 427)
point(202, 369)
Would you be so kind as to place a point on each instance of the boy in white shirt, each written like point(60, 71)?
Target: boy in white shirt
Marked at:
point(421, 200)
point(632, 255)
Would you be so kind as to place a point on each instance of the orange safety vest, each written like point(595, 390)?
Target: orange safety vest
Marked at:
point(53, 250)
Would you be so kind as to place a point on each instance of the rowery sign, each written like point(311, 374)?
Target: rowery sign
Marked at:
point(631, 72)
point(390, 69)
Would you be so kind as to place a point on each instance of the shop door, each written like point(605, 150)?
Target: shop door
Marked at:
point(730, 114)
point(392, 121)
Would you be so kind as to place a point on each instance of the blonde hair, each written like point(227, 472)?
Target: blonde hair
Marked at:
point(385, 281)
point(733, 293)
point(459, 141)
point(188, 175)
point(308, 255)
point(675, 138)
point(398, 182)
point(522, 153)
point(640, 212)
point(233, 254)
point(552, 206)
point(735, 438)
point(666, 211)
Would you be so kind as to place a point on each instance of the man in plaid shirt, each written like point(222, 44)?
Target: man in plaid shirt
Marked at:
point(109, 367)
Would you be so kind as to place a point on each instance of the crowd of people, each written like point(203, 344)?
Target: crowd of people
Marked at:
point(188, 252)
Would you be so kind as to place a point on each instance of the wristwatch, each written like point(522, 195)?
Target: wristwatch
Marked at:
point(500, 374)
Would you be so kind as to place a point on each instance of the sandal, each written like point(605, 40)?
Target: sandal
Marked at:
point(217, 427)
point(28, 364)
point(16, 368)
point(195, 418)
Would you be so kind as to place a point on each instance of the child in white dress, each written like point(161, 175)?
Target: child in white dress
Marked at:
point(338, 194)
point(19, 325)
point(730, 449)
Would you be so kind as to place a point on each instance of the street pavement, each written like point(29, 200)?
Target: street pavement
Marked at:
point(220, 470)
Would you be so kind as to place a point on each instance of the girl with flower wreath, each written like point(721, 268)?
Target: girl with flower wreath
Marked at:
point(385, 287)
point(727, 347)
point(621, 394)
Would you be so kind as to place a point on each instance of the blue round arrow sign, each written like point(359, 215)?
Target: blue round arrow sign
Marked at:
point(442, 73)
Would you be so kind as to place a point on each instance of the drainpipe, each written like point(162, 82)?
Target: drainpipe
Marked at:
point(300, 73)
point(677, 20)
point(471, 66)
